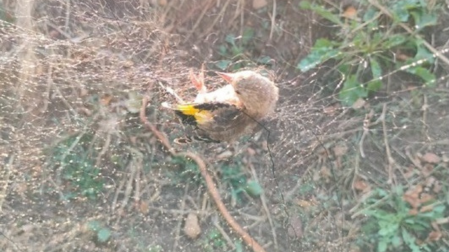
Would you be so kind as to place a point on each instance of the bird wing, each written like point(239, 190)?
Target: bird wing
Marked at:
point(216, 121)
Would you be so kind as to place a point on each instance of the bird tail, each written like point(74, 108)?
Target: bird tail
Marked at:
point(191, 114)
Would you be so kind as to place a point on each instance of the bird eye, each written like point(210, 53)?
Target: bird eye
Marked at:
point(237, 92)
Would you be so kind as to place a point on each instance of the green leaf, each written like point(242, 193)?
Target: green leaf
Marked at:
point(400, 9)
point(222, 50)
point(247, 36)
point(439, 209)
point(230, 38)
point(389, 228)
point(423, 18)
point(410, 240)
point(401, 15)
point(394, 40)
point(322, 51)
point(264, 60)
point(253, 188)
point(322, 44)
point(381, 192)
point(382, 246)
point(425, 74)
point(381, 215)
point(352, 90)
point(370, 13)
point(94, 225)
point(376, 71)
point(410, 221)
point(306, 5)
point(236, 50)
point(103, 235)
point(320, 10)
point(223, 64)
point(374, 85)
point(237, 66)
point(396, 241)
point(422, 53)
point(238, 246)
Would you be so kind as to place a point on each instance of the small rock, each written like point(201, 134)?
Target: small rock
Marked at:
point(431, 158)
point(358, 104)
point(224, 155)
point(350, 12)
point(257, 4)
point(191, 227)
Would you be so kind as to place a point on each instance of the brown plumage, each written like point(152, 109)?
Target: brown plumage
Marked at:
point(229, 112)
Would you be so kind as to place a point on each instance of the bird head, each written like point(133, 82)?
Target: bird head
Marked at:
point(246, 83)
point(254, 90)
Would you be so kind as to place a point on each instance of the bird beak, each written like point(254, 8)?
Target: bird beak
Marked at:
point(229, 77)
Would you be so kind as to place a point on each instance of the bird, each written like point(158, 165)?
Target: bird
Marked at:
point(230, 112)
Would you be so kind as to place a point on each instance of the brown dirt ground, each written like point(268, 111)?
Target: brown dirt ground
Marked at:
point(87, 57)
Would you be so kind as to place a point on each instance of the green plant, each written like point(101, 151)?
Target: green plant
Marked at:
point(214, 241)
point(231, 175)
point(103, 234)
point(238, 49)
point(366, 47)
point(238, 183)
point(75, 160)
point(392, 225)
point(189, 171)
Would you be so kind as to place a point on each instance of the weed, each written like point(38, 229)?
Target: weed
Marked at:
point(234, 48)
point(365, 48)
point(238, 49)
point(190, 171)
point(77, 165)
point(103, 234)
point(238, 183)
point(393, 226)
point(214, 241)
point(231, 175)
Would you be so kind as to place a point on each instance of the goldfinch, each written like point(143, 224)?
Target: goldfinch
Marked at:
point(229, 112)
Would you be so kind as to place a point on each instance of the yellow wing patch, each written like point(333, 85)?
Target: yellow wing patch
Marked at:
point(201, 116)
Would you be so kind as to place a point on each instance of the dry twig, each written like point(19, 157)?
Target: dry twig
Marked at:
point(391, 161)
point(198, 21)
